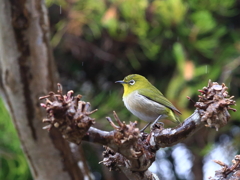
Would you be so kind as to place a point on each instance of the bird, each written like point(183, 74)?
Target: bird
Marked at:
point(146, 102)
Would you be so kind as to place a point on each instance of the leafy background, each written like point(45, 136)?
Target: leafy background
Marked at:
point(177, 44)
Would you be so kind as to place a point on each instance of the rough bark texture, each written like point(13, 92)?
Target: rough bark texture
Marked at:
point(27, 71)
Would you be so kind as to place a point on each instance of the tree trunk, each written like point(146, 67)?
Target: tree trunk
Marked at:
point(28, 71)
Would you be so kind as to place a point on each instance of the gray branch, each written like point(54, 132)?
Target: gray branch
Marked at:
point(127, 149)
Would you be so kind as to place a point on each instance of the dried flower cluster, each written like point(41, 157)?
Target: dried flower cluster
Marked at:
point(131, 144)
point(213, 105)
point(228, 172)
point(112, 160)
point(126, 135)
point(68, 114)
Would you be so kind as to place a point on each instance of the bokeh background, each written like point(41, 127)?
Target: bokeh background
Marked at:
point(177, 44)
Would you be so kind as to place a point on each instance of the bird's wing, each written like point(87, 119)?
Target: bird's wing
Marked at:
point(156, 96)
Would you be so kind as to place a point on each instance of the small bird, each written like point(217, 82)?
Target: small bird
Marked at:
point(145, 101)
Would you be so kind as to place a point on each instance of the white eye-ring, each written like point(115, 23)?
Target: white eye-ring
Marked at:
point(131, 82)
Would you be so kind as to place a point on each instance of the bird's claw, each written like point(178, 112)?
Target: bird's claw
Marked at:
point(152, 125)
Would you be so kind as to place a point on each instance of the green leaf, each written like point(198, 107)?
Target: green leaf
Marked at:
point(203, 21)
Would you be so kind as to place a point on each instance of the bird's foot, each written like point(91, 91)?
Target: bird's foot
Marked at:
point(153, 124)
point(160, 124)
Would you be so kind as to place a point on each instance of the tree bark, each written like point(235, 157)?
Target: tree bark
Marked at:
point(27, 71)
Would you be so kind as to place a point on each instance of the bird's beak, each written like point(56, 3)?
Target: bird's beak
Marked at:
point(122, 82)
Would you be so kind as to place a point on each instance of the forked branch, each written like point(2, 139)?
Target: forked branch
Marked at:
point(127, 149)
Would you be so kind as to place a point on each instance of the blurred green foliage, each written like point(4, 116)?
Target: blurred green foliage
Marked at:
point(179, 45)
point(13, 164)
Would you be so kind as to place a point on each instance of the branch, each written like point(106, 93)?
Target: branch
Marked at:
point(228, 172)
point(127, 149)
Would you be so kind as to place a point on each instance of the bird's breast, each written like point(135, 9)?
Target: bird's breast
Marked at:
point(144, 108)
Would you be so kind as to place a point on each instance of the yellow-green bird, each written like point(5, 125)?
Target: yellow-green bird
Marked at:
point(145, 101)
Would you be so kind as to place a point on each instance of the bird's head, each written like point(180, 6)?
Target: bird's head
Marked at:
point(133, 82)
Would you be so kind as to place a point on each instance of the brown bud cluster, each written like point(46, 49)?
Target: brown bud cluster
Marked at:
point(213, 105)
point(68, 114)
point(112, 160)
point(126, 135)
point(228, 172)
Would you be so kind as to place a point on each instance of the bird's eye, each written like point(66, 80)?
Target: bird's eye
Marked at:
point(131, 82)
